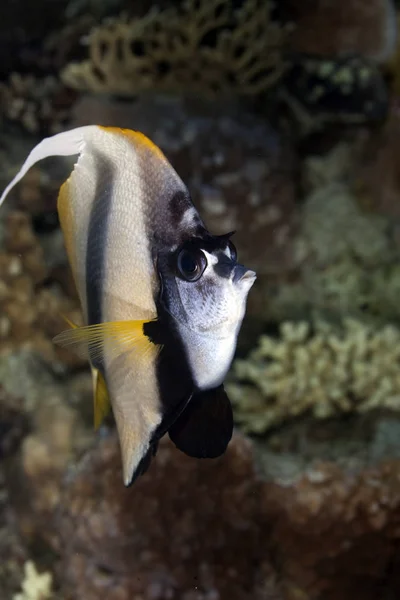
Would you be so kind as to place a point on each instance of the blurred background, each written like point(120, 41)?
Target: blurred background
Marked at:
point(283, 118)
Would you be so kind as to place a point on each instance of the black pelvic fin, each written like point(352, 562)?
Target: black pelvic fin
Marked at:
point(204, 428)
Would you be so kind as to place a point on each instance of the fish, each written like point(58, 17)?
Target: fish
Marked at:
point(162, 298)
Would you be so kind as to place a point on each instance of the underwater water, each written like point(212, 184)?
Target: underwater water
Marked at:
point(284, 122)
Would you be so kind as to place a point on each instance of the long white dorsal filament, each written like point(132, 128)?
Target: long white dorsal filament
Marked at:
point(66, 143)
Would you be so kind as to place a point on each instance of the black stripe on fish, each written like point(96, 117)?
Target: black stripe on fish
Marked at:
point(97, 241)
point(175, 382)
point(199, 423)
point(174, 377)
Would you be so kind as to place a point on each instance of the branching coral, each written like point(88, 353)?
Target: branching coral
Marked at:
point(203, 46)
point(327, 371)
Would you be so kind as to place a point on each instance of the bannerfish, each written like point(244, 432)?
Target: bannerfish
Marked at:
point(162, 298)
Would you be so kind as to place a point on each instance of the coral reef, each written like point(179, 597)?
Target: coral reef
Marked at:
point(56, 416)
point(30, 310)
point(14, 424)
point(41, 106)
point(344, 27)
point(345, 258)
point(309, 508)
point(321, 91)
point(204, 46)
point(332, 209)
point(325, 371)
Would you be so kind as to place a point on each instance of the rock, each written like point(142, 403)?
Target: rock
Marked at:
point(379, 162)
point(264, 522)
point(336, 533)
point(187, 529)
point(344, 27)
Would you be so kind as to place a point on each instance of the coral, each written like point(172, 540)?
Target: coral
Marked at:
point(30, 312)
point(13, 553)
point(333, 209)
point(326, 28)
point(13, 423)
point(325, 371)
point(36, 586)
point(50, 448)
point(204, 47)
point(321, 91)
point(60, 415)
point(39, 105)
point(346, 253)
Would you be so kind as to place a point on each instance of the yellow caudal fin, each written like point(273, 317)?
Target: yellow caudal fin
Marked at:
point(116, 337)
point(101, 400)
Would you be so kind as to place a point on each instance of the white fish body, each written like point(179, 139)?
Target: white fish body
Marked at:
point(127, 218)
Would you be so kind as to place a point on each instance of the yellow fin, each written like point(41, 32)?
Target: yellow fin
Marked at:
point(115, 337)
point(101, 401)
point(70, 323)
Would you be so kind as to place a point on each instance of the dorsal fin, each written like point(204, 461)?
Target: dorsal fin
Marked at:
point(66, 143)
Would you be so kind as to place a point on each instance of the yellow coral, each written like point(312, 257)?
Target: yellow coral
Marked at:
point(325, 372)
point(203, 46)
point(36, 586)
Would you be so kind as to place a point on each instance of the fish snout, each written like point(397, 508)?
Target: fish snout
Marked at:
point(244, 276)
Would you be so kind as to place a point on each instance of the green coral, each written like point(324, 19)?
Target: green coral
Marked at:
point(346, 260)
point(324, 370)
point(334, 227)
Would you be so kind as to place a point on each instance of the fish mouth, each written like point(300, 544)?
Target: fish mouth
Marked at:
point(243, 275)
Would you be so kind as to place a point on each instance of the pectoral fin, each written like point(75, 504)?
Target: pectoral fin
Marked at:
point(204, 428)
point(118, 337)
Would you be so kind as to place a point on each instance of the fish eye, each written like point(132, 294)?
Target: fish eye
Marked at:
point(191, 264)
point(232, 250)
